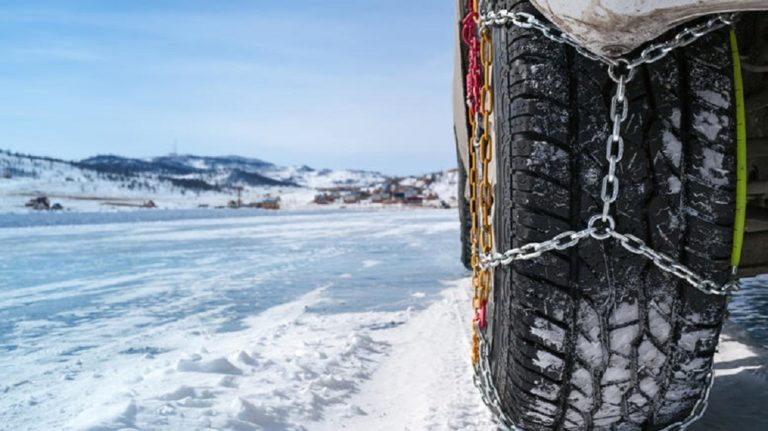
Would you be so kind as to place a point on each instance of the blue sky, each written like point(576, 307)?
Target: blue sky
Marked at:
point(339, 84)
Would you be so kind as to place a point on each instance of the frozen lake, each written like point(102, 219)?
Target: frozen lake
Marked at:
point(191, 320)
point(77, 300)
point(226, 269)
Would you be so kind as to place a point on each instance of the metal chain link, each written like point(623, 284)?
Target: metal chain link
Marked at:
point(527, 20)
point(483, 379)
point(480, 107)
point(621, 71)
point(601, 226)
point(650, 54)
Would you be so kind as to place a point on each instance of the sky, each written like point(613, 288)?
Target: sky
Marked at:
point(362, 84)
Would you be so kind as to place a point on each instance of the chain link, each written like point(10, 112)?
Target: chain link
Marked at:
point(621, 71)
point(480, 106)
point(483, 379)
point(601, 226)
point(527, 20)
point(650, 54)
point(666, 263)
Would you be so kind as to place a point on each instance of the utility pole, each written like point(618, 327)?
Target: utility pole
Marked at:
point(239, 191)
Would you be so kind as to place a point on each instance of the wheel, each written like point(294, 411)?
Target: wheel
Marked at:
point(464, 218)
point(595, 337)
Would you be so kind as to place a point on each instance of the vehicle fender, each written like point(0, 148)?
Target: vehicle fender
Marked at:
point(616, 27)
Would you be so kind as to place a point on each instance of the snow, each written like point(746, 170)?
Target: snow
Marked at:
point(624, 313)
point(715, 98)
point(709, 124)
point(550, 334)
point(672, 147)
point(674, 185)
point(735, 353)
point(650, 355)
point(113, 183)
point(712, 167)
point(168, 334)
point(658, 325)
point(547, 361)
point(622, 339)
point(264, 322)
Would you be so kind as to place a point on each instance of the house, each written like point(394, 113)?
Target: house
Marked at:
point(414, 200)
point(268, 203)
point(407, 193)
point(379, 197)
point(324, 199)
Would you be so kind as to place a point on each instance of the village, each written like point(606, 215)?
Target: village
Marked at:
point(392, 192)
point(422, 191)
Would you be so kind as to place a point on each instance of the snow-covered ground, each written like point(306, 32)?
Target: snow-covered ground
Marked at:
point(303, 321)
point(113, 183)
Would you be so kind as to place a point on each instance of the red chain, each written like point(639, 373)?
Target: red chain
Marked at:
point(474, 71)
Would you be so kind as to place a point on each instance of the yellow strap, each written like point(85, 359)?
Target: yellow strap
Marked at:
point(741, 156)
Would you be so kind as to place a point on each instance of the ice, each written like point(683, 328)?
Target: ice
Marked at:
point(228, 323)
point(113, 326)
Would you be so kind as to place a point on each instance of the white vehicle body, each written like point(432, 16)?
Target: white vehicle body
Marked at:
point(615, 27)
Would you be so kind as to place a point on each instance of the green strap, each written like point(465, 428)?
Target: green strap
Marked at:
point(741, 156)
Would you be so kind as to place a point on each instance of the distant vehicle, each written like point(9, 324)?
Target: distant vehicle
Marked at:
point(639, 130)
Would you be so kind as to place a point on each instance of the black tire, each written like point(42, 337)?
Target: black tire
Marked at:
point(464, 218)
point(597, 338)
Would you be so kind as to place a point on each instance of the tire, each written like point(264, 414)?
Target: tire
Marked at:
point(464, 217)
point(594, 337)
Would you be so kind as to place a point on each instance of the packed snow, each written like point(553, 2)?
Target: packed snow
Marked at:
point(287, 321)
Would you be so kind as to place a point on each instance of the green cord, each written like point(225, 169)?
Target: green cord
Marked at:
point(741, 156)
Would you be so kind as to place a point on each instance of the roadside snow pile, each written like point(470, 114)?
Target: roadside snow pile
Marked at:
point(287, 369)
point(294, 369)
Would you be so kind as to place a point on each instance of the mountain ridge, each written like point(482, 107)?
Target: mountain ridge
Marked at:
point(207, 179)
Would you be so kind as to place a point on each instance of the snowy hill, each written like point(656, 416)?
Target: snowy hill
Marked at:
point(188, 181)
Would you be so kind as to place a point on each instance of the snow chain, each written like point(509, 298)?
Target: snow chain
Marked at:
point(476, 35)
